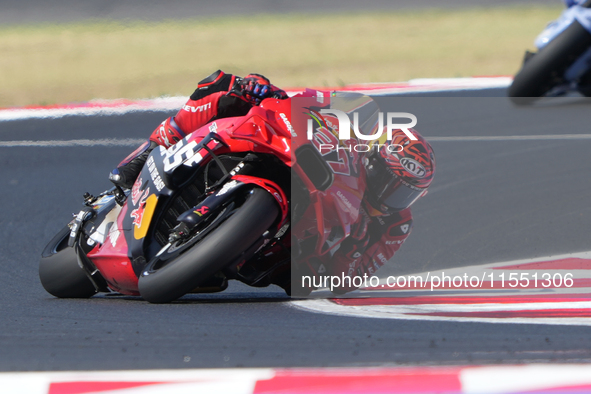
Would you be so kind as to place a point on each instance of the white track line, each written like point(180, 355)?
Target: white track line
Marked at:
point(118, 107)
point(171, 381)
point(72, 143)
point(100, 107)
point(524, 378)
point(471, 380)
point(511, 138)
point(394, 312)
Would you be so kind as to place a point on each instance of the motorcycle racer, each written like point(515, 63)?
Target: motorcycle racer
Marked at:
point(385, 219)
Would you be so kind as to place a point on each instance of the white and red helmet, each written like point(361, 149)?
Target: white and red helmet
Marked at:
point(399, 172)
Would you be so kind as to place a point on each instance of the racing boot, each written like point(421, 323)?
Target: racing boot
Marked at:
point(128, 170)
point(166, 134)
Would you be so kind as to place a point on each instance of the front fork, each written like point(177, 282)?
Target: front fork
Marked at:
point(191, 218)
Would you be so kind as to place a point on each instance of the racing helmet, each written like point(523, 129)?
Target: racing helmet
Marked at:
point(399, 172)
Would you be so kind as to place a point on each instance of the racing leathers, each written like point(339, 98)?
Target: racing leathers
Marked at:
point(373, 241)
point(220, 95)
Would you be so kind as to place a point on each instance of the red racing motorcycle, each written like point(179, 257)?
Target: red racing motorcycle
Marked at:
point(218, 205)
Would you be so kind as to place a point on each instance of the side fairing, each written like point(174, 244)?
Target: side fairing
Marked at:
point(148, 194)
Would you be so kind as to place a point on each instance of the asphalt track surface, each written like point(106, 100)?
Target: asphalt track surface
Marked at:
point(35, 11)
point(491, 201)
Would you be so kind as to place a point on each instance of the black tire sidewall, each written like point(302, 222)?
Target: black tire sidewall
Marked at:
point(59, 272)
point(223, 246)
point(536, 76)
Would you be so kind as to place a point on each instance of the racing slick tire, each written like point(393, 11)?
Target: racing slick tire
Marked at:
point(545, 69)
point(222, 246)
point(59, 272)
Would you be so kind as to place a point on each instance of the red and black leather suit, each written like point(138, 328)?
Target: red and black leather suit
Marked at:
point(373, 241)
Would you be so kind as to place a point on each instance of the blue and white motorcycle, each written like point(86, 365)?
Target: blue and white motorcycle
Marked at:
point(563, 61)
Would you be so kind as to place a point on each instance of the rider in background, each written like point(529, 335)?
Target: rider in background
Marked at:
point(220, 95)
point(570, 3)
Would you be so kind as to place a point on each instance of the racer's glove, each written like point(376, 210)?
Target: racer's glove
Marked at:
point(254, 88)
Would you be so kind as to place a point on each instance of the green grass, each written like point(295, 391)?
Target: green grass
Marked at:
point(46, 64)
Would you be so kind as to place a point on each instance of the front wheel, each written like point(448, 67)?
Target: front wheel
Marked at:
point(222, 246)
point(545, 70)
point(59, 272)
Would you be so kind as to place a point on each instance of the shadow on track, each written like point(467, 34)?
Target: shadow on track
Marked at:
point(214, 298)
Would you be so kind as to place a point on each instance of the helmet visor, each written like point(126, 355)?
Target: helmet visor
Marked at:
point(399, 196)
point(389, 192)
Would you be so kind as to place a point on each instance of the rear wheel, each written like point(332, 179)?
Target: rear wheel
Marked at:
point(227, 238)
point(59, 272)
point(545, 70)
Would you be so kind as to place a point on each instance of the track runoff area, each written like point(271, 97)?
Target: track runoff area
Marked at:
point(543, 290)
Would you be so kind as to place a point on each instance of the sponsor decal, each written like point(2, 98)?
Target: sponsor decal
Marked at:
point(382, 258)
point(202, 210)
point(213, 128)
point(136, 193)
point(404, 228)
point(199, 108)
point(143, 216)
point(345, 201)
point(413, 166)
point(158, 182)
point(288, 124)
point(183, 152)
point(138, 213)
